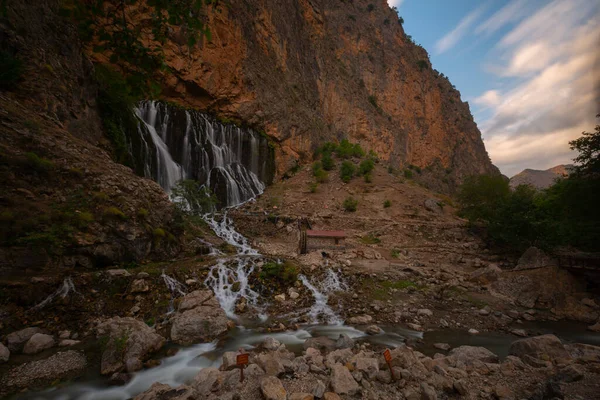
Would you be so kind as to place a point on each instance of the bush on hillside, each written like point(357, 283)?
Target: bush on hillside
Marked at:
point(350, 204)
point(347, 171)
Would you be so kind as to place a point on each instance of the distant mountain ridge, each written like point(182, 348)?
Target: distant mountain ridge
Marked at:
point(540, 179)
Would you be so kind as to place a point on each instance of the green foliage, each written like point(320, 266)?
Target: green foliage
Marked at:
point(348, 150)
point(370, 239)
point(159, 233)
point(347, 171)
point(193, 198)
point(422, 64)
point(395, 253)
point(285, 272)
point(366, 166)
point(321, 176)
point(39, 164)
point(408, 174)
point(100, 196)
point(368, 178)
point(116, 102)
point(11, 70)
point(317, 166)
point(387, 204)
point(327, 161)
point(400, 20)
point(313, 187)
point(588, 147)
point(142, 213)
point(114, 212)
point(479, 196)
point(373, 101)
point(350, 204)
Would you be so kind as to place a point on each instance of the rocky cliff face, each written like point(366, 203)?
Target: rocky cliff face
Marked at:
point(540, 179)
point(308, 71)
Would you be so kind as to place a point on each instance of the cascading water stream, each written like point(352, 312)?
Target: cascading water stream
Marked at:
point(62, 292)
point(175, 287)
point(331, 283)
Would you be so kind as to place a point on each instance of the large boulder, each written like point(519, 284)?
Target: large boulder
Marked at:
point(207, 381)
point(39, 374)
point(17, 340)
point(584, 352)
point(405, 358)
point(342, 381)
point(487, 275)
point(544, 347)
point(272, 389)
point(129, 342)
point(433, 205)
point(161, 391)
point(199, 318)
point(38, 343)
point(535, 258)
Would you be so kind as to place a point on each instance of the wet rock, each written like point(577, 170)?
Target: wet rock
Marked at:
point(140, 286)
point(16, 340)
point(442, 346)
point(360, 320)
point(38, 343)
point(39, 374)
point(206, 381)
point(545, 347)
point(344, 342)
point(301, 396)
point(373, 330)
point(272, 389)
point(68, 343)
point(484, 276)
point(159, 391)
point(534, 258)
point(473, 331)
point(271, 343)
point(119, 378)
point(129, 343)
point(200, 324)
point(468, 354)
point(427, 392)
point(319, 389)
point(415, 327)
point(4, 353)
point(319, 343)
point(342, 381)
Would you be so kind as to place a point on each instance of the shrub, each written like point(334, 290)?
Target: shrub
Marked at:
point(321, 176)
point(347, 150)
point(400, 20)
point(11, 70)
point(84, 218)
point(422, 64)
point(391, 170)
point(395, 253)
point(373, 101)
point(370, 7)
point(408, 174)
point(368, 178)
point(370, 239)
point(317, 166)
point(100, 196)
point(387, 204)
point(366, 166)
point(143, 213)
point(347, 171)
point(350, 204)
point(193, 198)
point(285, 272)
point(38, 164)
point(114, 212)
point(327, 161)
point(313, 187)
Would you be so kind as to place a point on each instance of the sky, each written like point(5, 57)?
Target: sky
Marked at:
point(530, 70)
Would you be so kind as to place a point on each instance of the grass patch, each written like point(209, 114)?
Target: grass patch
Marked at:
point(39, 164)
point(395, 253)
point(350, 204)
point(114, 212)
point(387, 204)
point(285, 272)
point(370, 239)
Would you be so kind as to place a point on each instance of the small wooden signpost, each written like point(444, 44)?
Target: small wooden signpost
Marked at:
point(241, 362)
point(388, 359)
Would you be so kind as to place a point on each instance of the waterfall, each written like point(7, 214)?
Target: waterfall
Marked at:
point(175, 287)
point(63, 291)
point(173, 144)
point(225, 230)
point(331, 283)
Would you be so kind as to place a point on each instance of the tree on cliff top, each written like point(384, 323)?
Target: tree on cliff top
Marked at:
point(588, 147)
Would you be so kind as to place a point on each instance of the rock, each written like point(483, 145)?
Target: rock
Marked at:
point(64, 334)
point(344, 342)
point(271, 343)
point(280, 297)
point(570, 373)
point(584, 352)
point(271, 363)
point(331, 396)
point(468, 354)
point(384, 376)
point(38, 343)
point(404, 357)
point(519, 332)
point(68, 342)
point(301, 396)
point(119, 378)
point(39, 374)
point(197, 298)
point(272, 389)
point(143, 275)
point(433, 205)
point(140, 286)
point(411, 394)
point(473, 331)
point(320, 343)
point(373, 330)
point(461, 387)
point(360, 320)
point(130, 342)
point(294, 295)
point(534, 258)
point(484, 276)
point(161, 391)
point(595, 327)
point(319, 389)
point(425, 312)
point(190, 282)
point(442, 346)
point(16, 340)
point(342, 381)
point(368, 366)
point(545, 347)
point(503, 392)
point(229, 360)
point(484, 311)
point(200, 324)
point(4, 353)
point(115, 273)
point(427, 392)
point(206, 381)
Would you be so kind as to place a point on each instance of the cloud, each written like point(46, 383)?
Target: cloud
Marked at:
point(489, 98)
point(555, 94)
point(454, 36)
point(395, 3)
point(513, 11)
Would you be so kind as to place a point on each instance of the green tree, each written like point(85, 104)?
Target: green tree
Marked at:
point(193, 198)
point(479, 196)
point(588, 147)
